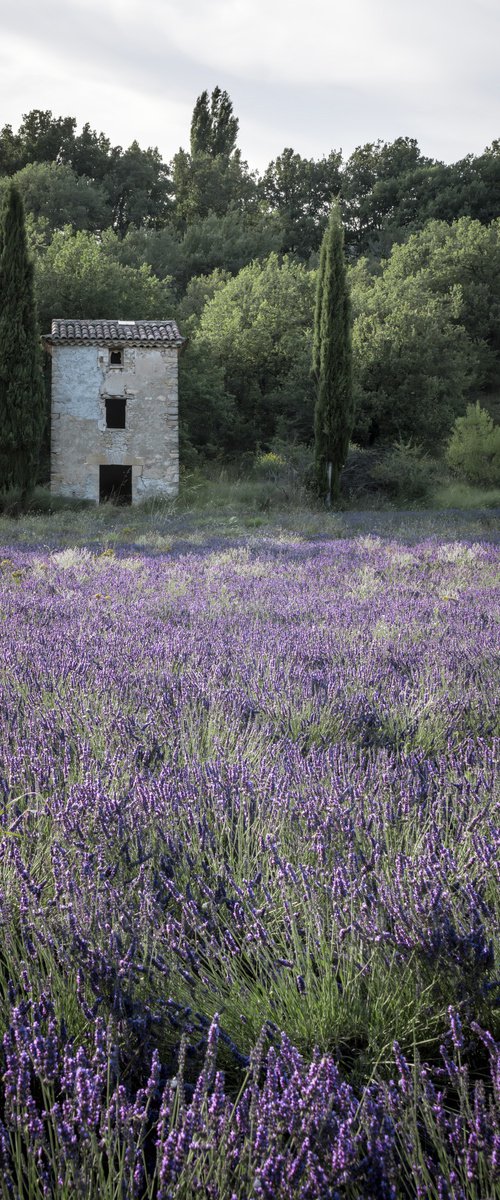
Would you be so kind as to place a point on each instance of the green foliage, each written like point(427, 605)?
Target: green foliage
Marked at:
point(404, 472)
point(212, 177)
point(90, 154)
point(391, 189)
point(332, 362)
point(22, 393)
point(268, 464)
point(426, 334)
point(167, 239)
point(288, 467)
point(134, 184)
point(160, 249)
point(461, 495)
point(373, 181)
point(388, 188)
point(464, 254)
point(40, 138)
point(207, 412)
point(300, 191)
point(139, 187)
point(200, 290)
point(204, 184)
point(214, 128)
point(448, 192)
point(414, 362)
point(54, 193)
point(258, 327)
point(474, 447)
point(228, 241)
point(77, 276)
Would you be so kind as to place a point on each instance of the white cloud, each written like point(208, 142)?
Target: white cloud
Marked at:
point(121, 101)
point(322, 41)
point(384, 44)
point(314, 74)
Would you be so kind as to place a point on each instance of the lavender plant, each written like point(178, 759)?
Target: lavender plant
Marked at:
point(249, 872)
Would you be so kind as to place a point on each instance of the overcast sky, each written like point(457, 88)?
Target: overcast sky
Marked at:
point(315, 75)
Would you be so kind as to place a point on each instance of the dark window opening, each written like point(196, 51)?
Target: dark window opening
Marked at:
point(115, 358)
point(115, 412)
point(115, 484)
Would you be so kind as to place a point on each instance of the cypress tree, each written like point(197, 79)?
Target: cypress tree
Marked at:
point(22, 393)
point(332, 362)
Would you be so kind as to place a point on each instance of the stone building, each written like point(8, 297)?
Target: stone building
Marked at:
point(115, 428)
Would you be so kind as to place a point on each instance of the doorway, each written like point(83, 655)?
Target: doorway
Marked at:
point(115, 484)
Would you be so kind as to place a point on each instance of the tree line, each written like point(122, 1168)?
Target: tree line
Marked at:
point(234, 256)
point(386, 189)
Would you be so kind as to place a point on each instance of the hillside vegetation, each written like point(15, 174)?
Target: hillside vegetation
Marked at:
point(233, 256)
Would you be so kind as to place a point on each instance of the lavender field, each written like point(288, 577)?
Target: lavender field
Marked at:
point(249, 872)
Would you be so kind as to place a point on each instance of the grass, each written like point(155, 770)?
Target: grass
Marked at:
point(221, 504)
point(465, 495)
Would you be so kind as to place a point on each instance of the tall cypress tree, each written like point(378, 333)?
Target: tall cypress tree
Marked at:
point(332, 362)
point(22, 394)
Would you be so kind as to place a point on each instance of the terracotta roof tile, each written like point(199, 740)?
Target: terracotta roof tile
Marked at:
point(101, 332)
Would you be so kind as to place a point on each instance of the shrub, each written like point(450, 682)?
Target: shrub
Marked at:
point(288, 465)
point(269, 465)
point(474, 446)
point(357, 477)
point(404, 472)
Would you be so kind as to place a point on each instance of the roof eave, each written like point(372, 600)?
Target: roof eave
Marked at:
point(144, 344)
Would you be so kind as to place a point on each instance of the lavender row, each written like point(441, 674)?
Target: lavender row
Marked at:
point(259, 783)
point(71, 1127)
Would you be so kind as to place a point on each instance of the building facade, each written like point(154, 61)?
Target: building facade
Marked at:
point(114, 417)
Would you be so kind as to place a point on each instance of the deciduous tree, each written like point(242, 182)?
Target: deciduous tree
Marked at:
point(414, 363)
point(53, 191)
point(466, 254)
point(214, 127)
point(258, 327)
point(212, 177)
point(374, 180)
point(138, 185)
point(41, 137)
point(78, 275)
point(300, 191)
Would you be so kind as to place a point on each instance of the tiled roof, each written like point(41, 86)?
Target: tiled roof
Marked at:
point(102, 332)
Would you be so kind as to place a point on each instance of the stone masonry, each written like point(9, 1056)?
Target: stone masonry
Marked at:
point(100, 369)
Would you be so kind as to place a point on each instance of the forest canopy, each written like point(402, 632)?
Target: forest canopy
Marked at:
point(233, 255)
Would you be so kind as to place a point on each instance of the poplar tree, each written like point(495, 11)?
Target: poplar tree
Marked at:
point(214, 128)
point(332, 362)
point(22, 393)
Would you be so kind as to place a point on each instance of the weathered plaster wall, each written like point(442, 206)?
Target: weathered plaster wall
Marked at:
point(81, 380)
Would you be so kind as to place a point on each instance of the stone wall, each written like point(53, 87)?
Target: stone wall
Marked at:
point(82, 378)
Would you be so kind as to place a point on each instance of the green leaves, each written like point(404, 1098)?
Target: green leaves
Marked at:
point(299, 191)
point(214, 128)
point(54, 192)
point(413, 364)
point(22, 398)
point(78, 276)
point(474, 447)
point(332, 361)
point(212, 177)
point(426, 331)
point(257, 326)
